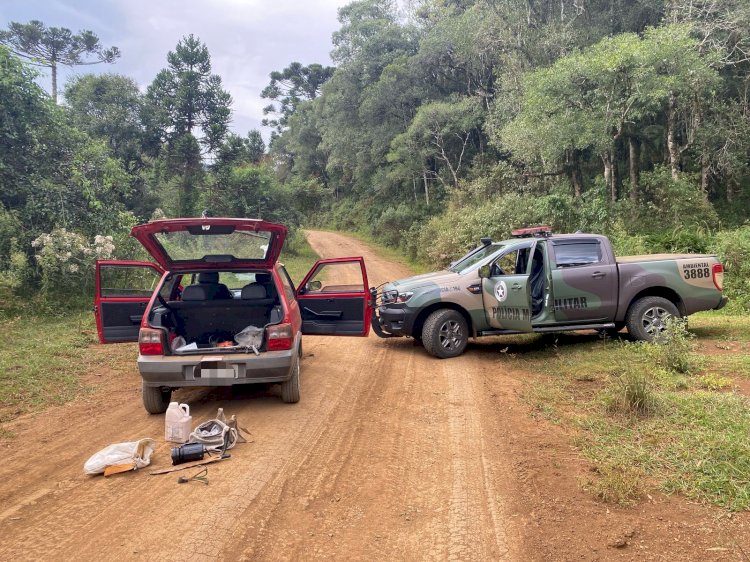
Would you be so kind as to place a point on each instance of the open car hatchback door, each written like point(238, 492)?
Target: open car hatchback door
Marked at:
point(123, 291)
point(334, 299)
point(195, 244)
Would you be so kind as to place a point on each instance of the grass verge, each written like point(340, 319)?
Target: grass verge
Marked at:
point(645, 421)
point(298, 256)
point(41, 358)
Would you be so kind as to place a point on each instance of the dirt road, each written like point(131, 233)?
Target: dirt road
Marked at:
point(390, 455)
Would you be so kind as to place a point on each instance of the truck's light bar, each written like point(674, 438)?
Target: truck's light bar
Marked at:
point(532, 231)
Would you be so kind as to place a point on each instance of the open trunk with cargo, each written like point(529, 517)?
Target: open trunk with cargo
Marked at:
point(199, 322)
point(216, 309)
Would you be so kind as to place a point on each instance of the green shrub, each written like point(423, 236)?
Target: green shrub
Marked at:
point(631, 393)
point(675, 346)
point(733, 249)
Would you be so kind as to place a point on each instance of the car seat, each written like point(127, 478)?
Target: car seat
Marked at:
point(213, 290)
point(537, 283)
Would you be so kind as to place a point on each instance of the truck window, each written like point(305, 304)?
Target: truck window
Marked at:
point(572, 254)
point(512, 263)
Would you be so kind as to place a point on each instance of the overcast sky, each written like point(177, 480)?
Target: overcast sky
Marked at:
point(247, 39)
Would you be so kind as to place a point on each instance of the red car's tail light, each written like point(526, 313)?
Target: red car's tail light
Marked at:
point(718, 275)
point(279, 337)
point(150, 342)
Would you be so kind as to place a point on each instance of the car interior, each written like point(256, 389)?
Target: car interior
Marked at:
point(208, 314)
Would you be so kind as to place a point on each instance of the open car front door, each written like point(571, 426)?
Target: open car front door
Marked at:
point(123, 291)
point(334, 300)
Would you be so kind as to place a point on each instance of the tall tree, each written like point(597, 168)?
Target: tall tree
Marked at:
point(108, 107)
point(290, 87)
point(51, 46)
point(186, 96)
point(186, 108)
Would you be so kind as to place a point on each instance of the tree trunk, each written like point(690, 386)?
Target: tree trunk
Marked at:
point(705, 173)
point(426, 188)
point(672, 146)
point(633, 167)
point(608, 175)
point(53, 66)
point(573, 166)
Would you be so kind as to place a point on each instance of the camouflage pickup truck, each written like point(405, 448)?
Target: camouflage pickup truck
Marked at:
point(544, 282)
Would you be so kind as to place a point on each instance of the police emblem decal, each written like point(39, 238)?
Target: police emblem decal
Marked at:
point(501, 291)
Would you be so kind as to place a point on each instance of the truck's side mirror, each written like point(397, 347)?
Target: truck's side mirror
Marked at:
point(484, 271)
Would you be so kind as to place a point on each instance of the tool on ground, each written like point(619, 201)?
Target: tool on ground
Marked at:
point(201, 476)
point(188, 452)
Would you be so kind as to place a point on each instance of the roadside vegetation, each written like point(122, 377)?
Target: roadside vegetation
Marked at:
point(672, 416)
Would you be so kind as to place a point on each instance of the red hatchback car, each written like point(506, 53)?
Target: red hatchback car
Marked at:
point(217, 309)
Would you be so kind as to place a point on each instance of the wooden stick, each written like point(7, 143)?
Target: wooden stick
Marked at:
point(118, 468)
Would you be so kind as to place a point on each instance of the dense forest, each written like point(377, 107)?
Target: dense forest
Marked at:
point(440, 121)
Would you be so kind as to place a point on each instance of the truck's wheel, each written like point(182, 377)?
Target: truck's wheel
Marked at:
point(290, 388)
point(155, 399)
point(646, 317)
point(445, 333)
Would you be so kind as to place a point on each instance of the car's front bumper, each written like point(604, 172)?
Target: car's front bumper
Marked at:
point(395, 319)
point(176, 371)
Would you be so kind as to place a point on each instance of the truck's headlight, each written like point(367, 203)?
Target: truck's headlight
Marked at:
point(403, 297)
point(389, 297)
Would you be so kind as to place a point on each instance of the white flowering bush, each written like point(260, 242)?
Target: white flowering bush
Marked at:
point(66, 260)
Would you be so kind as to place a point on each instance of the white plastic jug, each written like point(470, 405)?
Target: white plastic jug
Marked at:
point(177, 423)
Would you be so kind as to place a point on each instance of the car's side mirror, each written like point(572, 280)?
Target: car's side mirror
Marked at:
point(484, 271)
point(314, 286)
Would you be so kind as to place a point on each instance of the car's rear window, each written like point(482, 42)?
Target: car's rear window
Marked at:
point(214, 244)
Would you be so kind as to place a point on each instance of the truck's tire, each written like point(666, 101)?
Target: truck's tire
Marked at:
point(445, 333)
point(290, 388)
point(155, 399)
point(646, 316)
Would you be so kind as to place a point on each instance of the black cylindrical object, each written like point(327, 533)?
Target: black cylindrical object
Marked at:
point(188, 452)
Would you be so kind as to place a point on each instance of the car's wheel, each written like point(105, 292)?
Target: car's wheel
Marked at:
point(290, 388)
point(647, 316)
point(445, 333)
point(156, 399)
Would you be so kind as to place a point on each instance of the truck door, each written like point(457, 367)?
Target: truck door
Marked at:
point(584, 280)
point(123, 291)
point(506, 292)
point(334, 299)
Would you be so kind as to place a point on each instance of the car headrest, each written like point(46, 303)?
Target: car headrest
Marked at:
point(263, 278)
point(253, 291)
point(195, 293)
point(210, 277)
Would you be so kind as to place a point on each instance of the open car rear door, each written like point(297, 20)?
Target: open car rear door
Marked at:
point(123, 291)
point(334, 300)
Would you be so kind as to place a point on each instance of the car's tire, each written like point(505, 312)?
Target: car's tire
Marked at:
point(290, 388)
point(155, 399)
point(646, 316)
point(445, 333)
